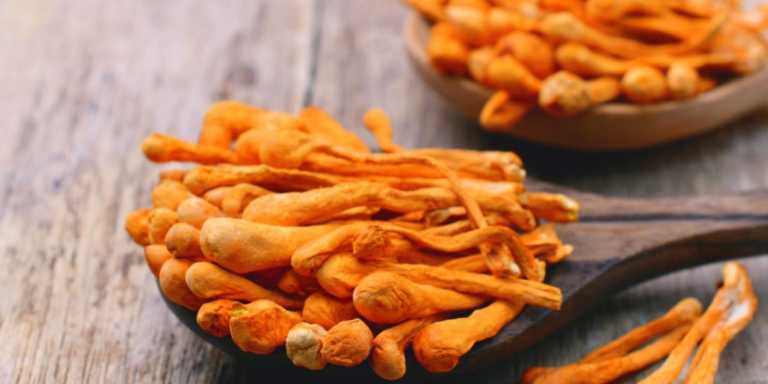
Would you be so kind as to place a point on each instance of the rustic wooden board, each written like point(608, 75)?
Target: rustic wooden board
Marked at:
point(82, 82)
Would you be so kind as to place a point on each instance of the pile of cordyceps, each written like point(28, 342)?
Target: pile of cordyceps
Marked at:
point(568, 56)
point(293, 233)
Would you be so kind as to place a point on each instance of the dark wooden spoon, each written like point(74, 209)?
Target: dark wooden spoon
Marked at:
point(618, 242)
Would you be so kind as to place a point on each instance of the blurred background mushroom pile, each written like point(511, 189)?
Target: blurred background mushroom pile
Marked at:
point(567, 56)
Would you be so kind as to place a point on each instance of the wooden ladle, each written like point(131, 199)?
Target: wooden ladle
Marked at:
point(618, 243)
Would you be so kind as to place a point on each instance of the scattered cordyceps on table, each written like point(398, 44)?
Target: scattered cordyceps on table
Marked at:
point(676, 336)
point(568, 56)
point(293, 233)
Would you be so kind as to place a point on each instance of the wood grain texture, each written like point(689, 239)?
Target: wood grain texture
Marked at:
point(83, 81)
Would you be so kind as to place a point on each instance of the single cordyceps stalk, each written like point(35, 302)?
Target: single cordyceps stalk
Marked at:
point(243, 247)
point(209, 281)
point(326, 310)
point(565, 95)
point(261, 327)
point(379, 124)
point(205, 178)
point(156, 255)
point(732, 308)
point(321, 124)
point(225, 121)
point(183, 240)
point(682, 81)
point(439, 346)
point(137, 226)
point(174, 286)
point(644, 84)
point(557, 208)
point(502, 113)
point(348, 343)
point(299, 208)
point(214, 317)
point(304, 346)
point(678, 320)
point(160, 221)
point(164, 148)
point(387, 298)
point(295, 284)
point(388, 354)
point(169, 194)
point(239, 196)
point(172, 174)
point(216, 196)
point(195, 211)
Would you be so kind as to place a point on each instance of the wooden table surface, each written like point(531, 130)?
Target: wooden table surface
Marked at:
point(82, 82)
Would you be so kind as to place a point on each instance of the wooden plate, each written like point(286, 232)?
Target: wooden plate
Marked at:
point(609, 127)
point(618, 243)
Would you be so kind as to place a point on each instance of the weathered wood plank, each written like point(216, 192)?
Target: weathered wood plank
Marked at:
point(82, 83)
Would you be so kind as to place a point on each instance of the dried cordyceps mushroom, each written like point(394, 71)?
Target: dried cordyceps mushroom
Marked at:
point(172, 278)
point(386, 298)
point(682, 81)
point(208, 281)
point(159, 222)
point(238, 197)
point(326, 310)
point(300, 215)
point(164, 148)
point(242, 246)
point(169, 194)
point(261, 327)
point(183, 240)
point(605, 371)
point(172, 174)
point(731, 311)
point(677, 333)
point(293, 283)
point(614, 360)
point(213, 317)
point(439, 346)
point(156, 255)
point(502, 112)
point(348, 343)
point(644, 84)
point(388, 354)
point(304, 345)
point(195, 211)
point(565, 94)
point(515, 48)
point(205, 178)
point(137, 226)
point(379, 124)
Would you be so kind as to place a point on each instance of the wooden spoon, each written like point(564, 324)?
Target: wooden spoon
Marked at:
point(608, 127)
point(618, 243)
